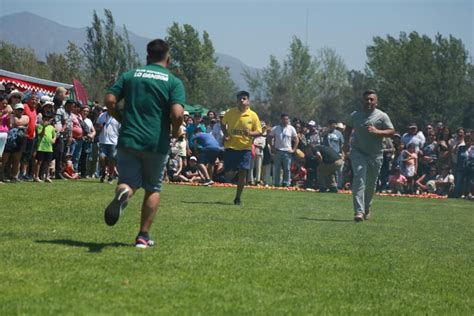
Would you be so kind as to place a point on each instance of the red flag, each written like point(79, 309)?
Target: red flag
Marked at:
point(81, 93)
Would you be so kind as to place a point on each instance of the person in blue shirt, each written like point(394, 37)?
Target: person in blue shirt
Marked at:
point(207, 150)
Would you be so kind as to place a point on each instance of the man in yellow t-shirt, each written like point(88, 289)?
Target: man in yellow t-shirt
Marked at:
point(239, 125)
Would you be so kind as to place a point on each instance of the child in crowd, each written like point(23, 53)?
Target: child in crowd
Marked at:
point(68, 170)
point(444, 182)
point(409, 162)
point(425, 183)
point(46, 138)
point(191, 172)
point(298, 171)
point(397, 182)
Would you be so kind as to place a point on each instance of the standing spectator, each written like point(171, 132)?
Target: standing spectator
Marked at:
point(217, 130)
point(32, 102)
point(153, 106)
point(239, 125)
point(285, 143)
point(190, 128)
point(109, 134)
point(370, 126)
point(462, 168)
point(16, 142)
point(77, 135)
point(470, 168)
point(5, 112)
point(429, 153)
point(454, 144)
point(312, 136)
point(388, 152)
point(44, 154)
point(413, 136)
point(64, 135)
point(87, 139)
point(257, 160)
point(267, 161)
point(59, 97)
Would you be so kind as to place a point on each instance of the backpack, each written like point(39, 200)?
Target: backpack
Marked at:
point(15, 138)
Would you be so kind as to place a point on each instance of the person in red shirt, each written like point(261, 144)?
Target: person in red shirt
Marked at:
point(32, 102)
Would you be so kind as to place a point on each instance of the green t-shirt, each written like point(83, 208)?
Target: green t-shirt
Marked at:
point(148, 92)
point(45, 142)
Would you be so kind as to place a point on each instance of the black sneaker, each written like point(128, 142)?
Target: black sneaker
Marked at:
point(236, 201)
point(208, 182)
point(116, 207)
point(143, 242)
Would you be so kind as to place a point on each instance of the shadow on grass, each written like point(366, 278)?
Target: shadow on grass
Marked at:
point(93, 246)
point(204, 202)
point(327, 220)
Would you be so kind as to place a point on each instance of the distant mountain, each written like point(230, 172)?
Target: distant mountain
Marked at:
point(26, 29)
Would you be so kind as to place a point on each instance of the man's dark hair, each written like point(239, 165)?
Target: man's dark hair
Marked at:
point(157, 50)
point(243, 93)
point(332, 121)
point(282, 115)
point(367, 92)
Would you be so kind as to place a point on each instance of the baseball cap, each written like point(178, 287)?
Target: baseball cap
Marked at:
point(193, 158)
point(222, 113)
point(185, 113)
point(412, 125)
point(19, 106)
point(312, 123)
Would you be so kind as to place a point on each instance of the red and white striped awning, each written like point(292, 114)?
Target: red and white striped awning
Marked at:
point(24, 82)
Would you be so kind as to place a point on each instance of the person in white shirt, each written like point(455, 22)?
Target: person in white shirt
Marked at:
point(285, 143)
point(109, 131)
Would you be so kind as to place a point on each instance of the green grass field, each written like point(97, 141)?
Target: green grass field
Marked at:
point(279, 253)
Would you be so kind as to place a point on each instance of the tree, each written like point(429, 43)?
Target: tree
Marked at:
point(107, 53)
point(192, 59)
point(303, 86)
point(21, 60)
point(420, 79)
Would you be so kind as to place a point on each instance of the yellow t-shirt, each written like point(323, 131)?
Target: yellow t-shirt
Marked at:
point(237, 122)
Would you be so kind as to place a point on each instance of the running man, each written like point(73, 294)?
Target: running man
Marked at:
point(239, 125)
point(154, 100)
point(370, 126)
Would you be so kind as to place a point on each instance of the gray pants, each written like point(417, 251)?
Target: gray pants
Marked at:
point(366, 171)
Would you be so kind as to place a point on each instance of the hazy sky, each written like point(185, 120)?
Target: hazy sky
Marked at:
point(254, 30)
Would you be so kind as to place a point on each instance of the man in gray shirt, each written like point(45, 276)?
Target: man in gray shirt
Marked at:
point(370, 126)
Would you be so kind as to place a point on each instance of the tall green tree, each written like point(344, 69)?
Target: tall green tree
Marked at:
point(193, 60)
point(420, 79)
point(107, 53)
point(304, 86)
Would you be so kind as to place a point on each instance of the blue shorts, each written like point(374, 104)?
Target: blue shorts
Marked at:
point(237, 159)
point(29, 149)
point(208, 156)
point(108, 150)
point(140, 169)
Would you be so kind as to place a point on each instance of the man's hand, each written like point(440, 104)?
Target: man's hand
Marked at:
point(176, 132)
point(373, 130)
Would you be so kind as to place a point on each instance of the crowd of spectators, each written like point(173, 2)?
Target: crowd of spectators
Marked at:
point(44, 138)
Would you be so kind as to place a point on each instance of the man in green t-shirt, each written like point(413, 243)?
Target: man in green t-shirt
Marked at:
point(153, 101)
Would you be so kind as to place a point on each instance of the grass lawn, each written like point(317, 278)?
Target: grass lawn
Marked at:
point(279, 253)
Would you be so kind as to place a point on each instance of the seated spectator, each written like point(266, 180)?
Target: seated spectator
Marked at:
point(174, 167)
point(328, 162)
point(219, 171)
point(191, 172)
point(444, 183)
point(68, 171)
point(397, 182)
point(425, 183)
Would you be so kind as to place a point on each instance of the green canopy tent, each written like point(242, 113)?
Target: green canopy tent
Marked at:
point(196, 108)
